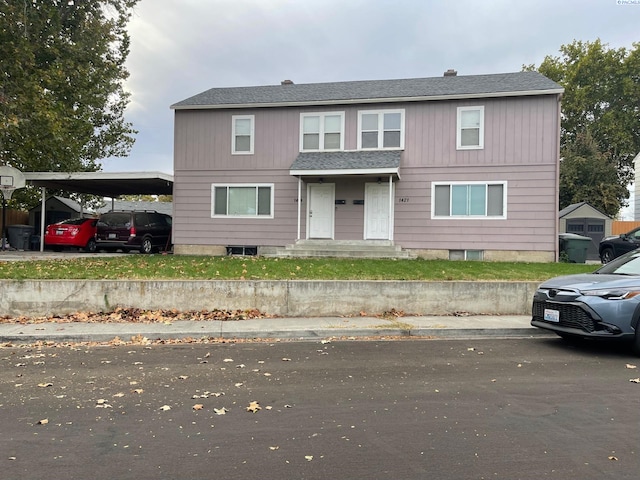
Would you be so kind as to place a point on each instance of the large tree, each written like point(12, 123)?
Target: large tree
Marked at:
point(589, 175)
point(601, 102)
point(62, 69)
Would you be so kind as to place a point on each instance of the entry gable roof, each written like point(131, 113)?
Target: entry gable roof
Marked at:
point(347, 163)
point(374, 91)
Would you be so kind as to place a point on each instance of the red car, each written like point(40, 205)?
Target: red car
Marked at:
point(75, 232)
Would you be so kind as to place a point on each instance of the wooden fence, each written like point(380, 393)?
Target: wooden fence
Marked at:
point(15, 217)
point(623, 226)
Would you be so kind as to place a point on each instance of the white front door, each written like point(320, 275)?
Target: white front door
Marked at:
point(378, 212)
point(321, 210)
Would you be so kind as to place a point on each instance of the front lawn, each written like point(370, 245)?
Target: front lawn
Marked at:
point(184, 267)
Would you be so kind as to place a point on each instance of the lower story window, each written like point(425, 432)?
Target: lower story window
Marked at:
point(469, 200)
point(466, 254)
point(242, 200)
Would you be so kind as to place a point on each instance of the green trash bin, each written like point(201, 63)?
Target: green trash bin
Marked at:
point(575, 246)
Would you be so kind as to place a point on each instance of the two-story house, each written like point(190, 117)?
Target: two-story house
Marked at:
point(461, 167)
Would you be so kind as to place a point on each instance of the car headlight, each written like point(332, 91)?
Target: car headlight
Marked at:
point(613, 293)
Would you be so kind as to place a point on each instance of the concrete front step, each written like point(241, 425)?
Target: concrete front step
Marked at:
point(342, 248)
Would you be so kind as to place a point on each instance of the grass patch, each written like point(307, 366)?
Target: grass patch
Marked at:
point(186, 267)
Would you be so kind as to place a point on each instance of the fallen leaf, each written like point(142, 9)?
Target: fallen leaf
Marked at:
point(254, 407)
point(613, 458)
point(228, 360)
point(198, 406)
point(44, 421)
point(308, 458)
point(138, 391)
point(631, 366)
point(286, 359)
point(183, 377)
point(220, 411)
point(635, 380)
point(44, 385)
point(164, 408)
point(118, 395)
point(274, 448)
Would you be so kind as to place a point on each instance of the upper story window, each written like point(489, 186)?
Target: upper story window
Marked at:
point(379, 129)
point(242, 200)
point(469, 200)
point(322, 131)
point(470, 128)
point(242, 133)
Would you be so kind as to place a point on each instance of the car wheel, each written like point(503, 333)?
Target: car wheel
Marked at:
point(147, 246)
point(91, 246)
point(607, 255)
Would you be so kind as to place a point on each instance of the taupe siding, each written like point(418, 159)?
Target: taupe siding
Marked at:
point(520, 147)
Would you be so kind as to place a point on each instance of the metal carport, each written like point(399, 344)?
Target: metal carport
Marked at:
point(105, 184)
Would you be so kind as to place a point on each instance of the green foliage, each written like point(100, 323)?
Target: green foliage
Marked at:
point(183, 267)
point(601, 99)
point(147, 198)
point(62, 69)
point(588, 175)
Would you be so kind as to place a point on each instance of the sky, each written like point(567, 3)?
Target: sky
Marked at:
point(183, 47)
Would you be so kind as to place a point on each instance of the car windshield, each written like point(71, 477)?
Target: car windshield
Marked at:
point(628, 264)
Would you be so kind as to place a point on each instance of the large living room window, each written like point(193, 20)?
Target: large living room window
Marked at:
point(380, 129)
point(240, 200)
point(321, 131)
point(469, 200)
point(243, 133)
point(470, 128)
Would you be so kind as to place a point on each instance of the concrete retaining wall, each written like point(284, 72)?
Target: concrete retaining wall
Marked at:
point(297, 298)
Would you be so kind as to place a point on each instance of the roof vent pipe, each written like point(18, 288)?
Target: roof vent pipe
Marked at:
point(450, 73)
point(286, 82)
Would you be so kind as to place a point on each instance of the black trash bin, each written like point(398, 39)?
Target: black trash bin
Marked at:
point(19, 236)
point(575, 246)
point(34, 241)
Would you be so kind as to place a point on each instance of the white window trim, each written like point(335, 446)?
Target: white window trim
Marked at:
point(227, 185)
point(459, 145)
point(469, 217)
point(381, 128)
point(321, 115)
point(233, 133)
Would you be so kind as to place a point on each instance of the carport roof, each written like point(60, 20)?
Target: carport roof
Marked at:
point(106, 184)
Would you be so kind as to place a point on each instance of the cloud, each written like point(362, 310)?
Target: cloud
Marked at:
point(182, 47)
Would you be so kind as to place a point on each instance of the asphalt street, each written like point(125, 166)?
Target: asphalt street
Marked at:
point(479, 408)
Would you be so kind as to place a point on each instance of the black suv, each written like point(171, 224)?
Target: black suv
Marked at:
point(146, 231)
point(613, 247)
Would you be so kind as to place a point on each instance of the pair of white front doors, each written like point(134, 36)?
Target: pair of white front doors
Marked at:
point(321, 210)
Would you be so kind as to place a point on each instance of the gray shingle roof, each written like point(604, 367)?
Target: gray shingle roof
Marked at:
point(472, 86)
point(367, 160)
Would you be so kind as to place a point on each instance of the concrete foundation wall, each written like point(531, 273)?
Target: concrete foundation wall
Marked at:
point(298, 298)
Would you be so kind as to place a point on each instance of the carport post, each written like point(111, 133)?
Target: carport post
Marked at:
point(42, 217)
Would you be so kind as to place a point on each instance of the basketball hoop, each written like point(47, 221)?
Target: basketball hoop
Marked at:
point(10, 180)
point(7, 191)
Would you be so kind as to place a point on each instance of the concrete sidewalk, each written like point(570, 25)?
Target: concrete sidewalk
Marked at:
point(278, 328)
